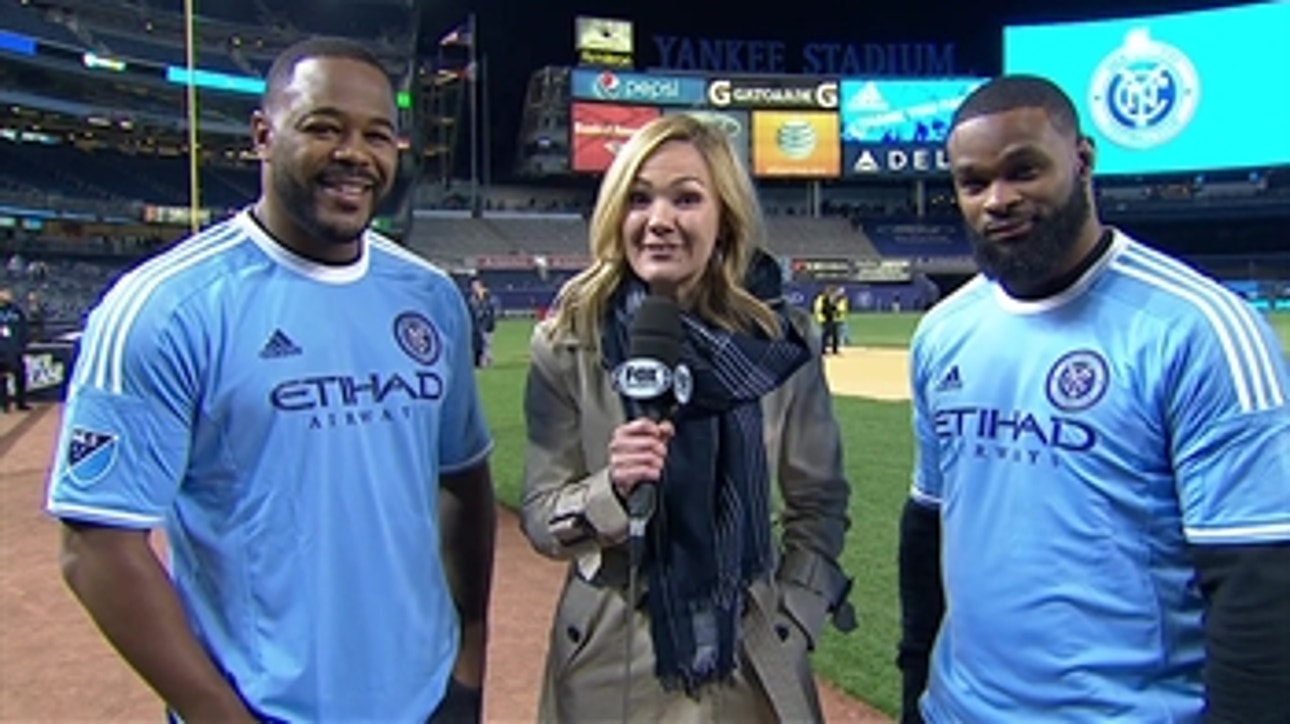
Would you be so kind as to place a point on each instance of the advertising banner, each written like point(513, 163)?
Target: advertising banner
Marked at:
point(619, 87)
point(603, 42)
point(899, 127)
point(736, 124)
point(600, 129)
point(773, 93)
point(801, 144)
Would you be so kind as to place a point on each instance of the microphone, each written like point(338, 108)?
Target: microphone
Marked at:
point(653, 384)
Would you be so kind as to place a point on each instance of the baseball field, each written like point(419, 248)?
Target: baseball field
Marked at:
point(871, 404)
point(55, 667)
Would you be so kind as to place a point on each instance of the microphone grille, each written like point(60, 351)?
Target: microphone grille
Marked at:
point(655, 331)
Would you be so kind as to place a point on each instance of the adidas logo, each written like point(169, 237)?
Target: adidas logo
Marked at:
point(868, 99)
point(279, 345)
point(950, 381)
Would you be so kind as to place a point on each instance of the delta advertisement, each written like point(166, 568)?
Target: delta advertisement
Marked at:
point(735, 123)
point(796, 144)
point(1181, 92)
point(618, 87)
point(600, 129)
point(899, 127)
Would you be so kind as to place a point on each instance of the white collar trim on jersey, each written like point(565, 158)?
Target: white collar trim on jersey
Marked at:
point(1074, 291)
point(325, 273)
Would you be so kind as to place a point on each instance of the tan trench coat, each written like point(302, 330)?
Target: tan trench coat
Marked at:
point(572, 411)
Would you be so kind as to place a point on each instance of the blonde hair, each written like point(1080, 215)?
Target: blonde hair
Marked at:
point(719, 296)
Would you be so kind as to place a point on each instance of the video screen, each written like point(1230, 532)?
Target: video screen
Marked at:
point(1188, 91)
point(901, 111)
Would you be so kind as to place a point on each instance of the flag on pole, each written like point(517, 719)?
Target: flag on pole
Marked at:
point(459, 35)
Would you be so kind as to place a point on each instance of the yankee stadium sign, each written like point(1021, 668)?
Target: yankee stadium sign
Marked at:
point(774, 57)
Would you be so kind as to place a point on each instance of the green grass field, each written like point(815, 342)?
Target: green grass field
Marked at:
point(878, 450)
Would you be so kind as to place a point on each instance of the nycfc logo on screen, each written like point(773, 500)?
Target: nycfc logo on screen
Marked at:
point(1144, 93)
point(90, 454)
point(1077, 381)
point(417, 337)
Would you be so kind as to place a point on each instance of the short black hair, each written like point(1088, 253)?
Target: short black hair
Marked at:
point(315, 47)
point(1010, 92)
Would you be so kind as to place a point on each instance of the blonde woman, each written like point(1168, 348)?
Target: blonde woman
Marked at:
point(728, 614)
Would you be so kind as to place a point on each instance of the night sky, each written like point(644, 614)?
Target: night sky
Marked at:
point(519, 37)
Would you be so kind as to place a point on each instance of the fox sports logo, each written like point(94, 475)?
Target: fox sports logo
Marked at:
point(1144, 93)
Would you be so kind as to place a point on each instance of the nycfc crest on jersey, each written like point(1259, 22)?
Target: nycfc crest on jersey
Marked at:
point(1077, 381)
point(417, 337)
point(1144, 93)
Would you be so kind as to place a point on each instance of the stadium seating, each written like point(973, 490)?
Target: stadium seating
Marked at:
point(115, 176)
point(539, 235)
point(914, 239)
point(830, 237)
point(69, 289)
point(457, 239)
point(452, 240)
point(29, 21)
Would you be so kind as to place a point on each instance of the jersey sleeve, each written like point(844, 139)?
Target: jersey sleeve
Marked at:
point(926, 488)
point(124, 441)
point(464, 440)
point(1230, 429)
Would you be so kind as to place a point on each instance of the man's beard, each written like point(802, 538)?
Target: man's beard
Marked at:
point(1028, 263)
point(301, 203)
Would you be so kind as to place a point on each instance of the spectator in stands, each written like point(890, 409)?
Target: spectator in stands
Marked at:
point(825, 307)
point(292, 395)
point(483, 317)
point(725, 627)
point(1102, 479)
point(36, 317)
point(13, 341)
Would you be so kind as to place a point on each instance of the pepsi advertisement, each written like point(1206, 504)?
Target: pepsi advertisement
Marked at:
point(899, 127)
point(638, 88)
point(1180, 92)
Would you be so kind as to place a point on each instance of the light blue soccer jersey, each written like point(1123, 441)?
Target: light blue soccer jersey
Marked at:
point(1074, 446)
point(287, 423)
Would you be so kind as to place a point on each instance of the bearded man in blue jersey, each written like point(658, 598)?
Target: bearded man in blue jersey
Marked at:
point(1099, 525)
point(291, 397)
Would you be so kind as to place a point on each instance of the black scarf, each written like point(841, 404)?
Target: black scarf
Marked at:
point(710, 536)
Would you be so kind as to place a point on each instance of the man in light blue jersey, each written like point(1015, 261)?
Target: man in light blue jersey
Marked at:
point(1099, 528)
point(290, 396)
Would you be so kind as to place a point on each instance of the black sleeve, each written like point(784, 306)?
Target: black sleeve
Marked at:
point(922, 602)
point(1247, 632)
